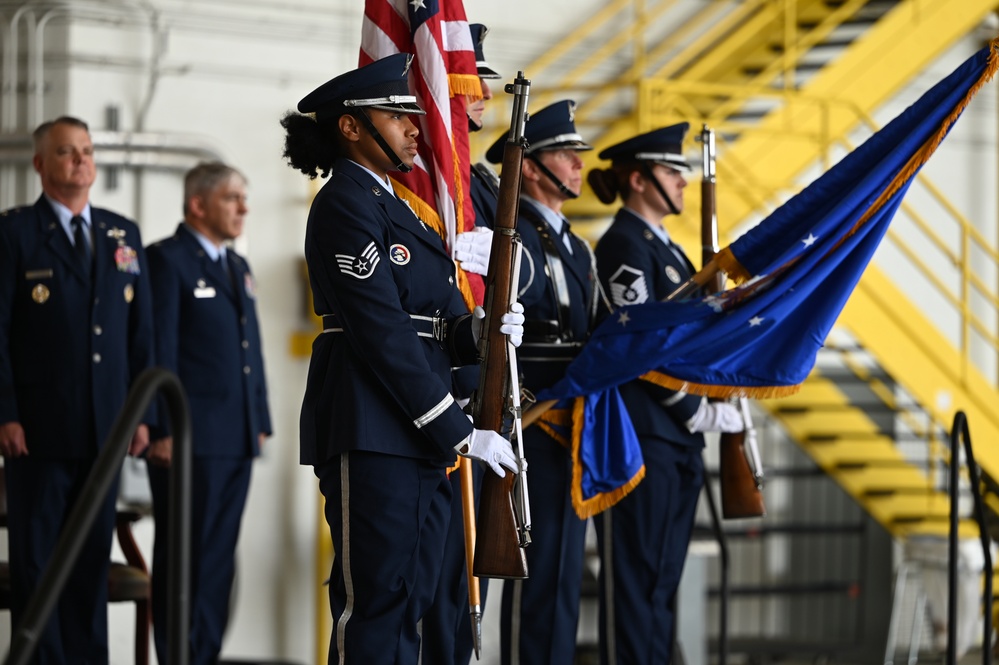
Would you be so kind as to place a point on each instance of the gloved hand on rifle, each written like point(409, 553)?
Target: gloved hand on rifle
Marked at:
point(716, 417)
point(487, 446)
point(472, 249)
point(511, 323)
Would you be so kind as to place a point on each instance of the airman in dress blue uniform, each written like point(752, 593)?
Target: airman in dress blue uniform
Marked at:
point(643, 538)
point(76, 329)
point(446, 630)
point(204, 306)
point(559, 292)
point(379, 422)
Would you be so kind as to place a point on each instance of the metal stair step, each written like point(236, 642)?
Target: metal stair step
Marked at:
point(868, 480)
point(851, 452)
point(908, 509)
point(823, 424)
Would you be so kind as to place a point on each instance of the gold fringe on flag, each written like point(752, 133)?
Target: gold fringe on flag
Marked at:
point(656, 377)
point(429, 216)
point(465, 84)
point(728, 264)
point(920, 157)
point(465, 288)
point(420, 208)
point(554, 423)
point(727, 261)
point(459, 191)
point(596, 504)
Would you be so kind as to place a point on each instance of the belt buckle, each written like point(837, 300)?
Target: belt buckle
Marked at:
point(440, 328)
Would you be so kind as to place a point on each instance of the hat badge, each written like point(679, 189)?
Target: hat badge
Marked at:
point(409, 61)
point(572, 111)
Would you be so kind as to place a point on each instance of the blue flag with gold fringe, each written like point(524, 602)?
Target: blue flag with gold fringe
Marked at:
point(795, 271)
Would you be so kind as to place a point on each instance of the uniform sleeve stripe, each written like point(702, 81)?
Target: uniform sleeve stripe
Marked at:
point(433, 413)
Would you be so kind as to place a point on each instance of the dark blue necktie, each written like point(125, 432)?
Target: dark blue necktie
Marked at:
point(563, 235)
point(80, 241)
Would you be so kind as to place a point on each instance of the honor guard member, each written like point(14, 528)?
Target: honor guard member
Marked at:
point(76, 330)
point(485, 182)
point(204, 306)
point(559, 292)
point(447, 630)
point(643, 538)
point(379, 422)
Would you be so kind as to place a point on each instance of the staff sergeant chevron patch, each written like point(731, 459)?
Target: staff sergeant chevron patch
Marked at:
point(362, 266)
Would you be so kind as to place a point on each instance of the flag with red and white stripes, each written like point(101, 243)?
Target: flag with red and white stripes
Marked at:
point(436, 33)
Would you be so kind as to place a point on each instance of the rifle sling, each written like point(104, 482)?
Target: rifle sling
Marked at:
point(487, 176)
point(563, 303)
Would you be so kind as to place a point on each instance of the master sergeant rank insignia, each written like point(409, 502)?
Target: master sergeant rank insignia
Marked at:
point(628, 287)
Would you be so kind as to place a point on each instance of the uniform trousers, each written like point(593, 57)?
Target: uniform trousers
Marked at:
point(643, 543)
point(388, 518)
point(219, 487)
point(447, 628)
point(540, 614)
point(40, 496)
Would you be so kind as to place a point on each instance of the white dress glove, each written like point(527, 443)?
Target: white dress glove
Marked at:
point(511, 323)
point(487, 446)
point(472, 249)
point(716, 417)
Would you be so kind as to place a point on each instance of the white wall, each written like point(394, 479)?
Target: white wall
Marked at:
point(227, 71)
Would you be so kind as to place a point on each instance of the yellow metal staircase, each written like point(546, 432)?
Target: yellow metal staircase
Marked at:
point(790, 86)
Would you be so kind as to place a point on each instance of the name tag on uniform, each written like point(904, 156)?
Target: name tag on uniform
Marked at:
point(204, 291)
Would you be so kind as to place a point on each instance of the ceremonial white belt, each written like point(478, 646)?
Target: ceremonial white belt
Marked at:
point(426, 326)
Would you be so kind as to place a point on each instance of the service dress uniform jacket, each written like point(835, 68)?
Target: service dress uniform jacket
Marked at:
point(484, 191)
point(72, 341)
point(209, 335)
point(559, 292)
point(643, 538)
point(379, 422)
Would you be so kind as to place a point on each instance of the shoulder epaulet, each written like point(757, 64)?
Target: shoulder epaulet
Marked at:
point(11, 211)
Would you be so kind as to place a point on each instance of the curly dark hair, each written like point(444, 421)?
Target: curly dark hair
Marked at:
point(310, 146)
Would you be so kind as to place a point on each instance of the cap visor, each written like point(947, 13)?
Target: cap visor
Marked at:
point(487, 72)
point(403, 107)
point(563, 145)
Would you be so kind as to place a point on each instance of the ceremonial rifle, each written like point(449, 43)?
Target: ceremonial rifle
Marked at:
point(504, 513)
point(739, 461)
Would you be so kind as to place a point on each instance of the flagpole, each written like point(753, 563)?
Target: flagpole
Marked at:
point(474, 595)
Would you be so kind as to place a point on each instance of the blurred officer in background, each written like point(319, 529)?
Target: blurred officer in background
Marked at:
point(76, 329)
point(204, 305)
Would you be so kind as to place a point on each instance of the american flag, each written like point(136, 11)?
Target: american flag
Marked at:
point(443, 72)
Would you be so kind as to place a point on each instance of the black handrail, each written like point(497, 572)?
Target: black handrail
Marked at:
point(81, 518)
point(959, 432)
point(719, 533)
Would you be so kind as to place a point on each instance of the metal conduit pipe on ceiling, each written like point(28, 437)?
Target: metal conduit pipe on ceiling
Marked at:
point(126, 149)
point(121, 10)
point(136, 151)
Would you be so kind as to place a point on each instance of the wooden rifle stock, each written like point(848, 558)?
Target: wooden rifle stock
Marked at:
point(498, 546)
point(740, 490)
point(740, 493)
